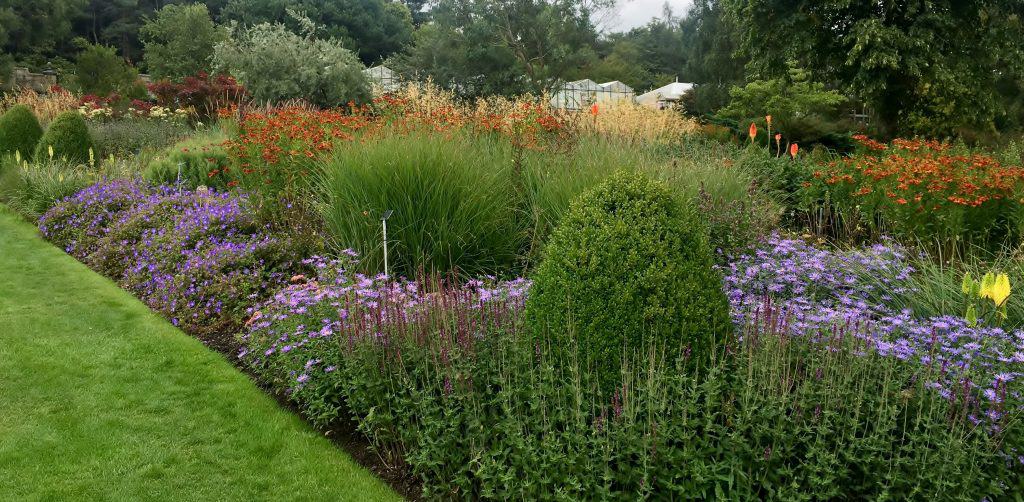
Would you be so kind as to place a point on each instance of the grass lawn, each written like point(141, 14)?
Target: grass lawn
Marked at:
point(102, 400)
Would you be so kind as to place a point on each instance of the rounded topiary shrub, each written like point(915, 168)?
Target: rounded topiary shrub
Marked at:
point(628, 267)
point(69, 137)
point(19, 131)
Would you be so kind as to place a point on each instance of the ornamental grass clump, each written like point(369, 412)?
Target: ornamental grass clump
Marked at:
point(39, 186)
point(19, 132)
point(46, 106)
point(453, 201)
point(628, 267)
point(67, 138)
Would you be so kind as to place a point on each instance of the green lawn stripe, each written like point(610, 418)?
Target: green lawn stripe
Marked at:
point(100, 399)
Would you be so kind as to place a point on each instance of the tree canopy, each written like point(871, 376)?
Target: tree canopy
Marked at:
point(179, 41)
point(923, 67)
point(374, 29)
point(276, 64)
point(503, 46)
point(935, 68)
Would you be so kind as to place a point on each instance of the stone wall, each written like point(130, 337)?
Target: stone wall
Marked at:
point(21, 78)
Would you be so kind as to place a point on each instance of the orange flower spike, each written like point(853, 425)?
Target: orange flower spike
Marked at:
point(793, 149)
point(768, 119)
point(752, 132)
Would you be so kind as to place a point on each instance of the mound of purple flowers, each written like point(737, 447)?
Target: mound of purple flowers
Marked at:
point(200, 258)
point(792, 288)
point(77, 223)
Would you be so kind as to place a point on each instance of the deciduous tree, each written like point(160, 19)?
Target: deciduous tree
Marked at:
point(179, 41)
point(924, 67)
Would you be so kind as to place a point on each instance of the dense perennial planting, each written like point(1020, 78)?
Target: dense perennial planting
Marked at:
point(830, 389)
point(443, 377)
point(77, 223)
point(925, 190)
point(346, 308)
point(805, 291)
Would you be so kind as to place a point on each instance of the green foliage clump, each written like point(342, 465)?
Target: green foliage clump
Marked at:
point(132, 136)
point(200, 160)
point(803, 110)
point(70, 139)
point(452, 201)
point(101, 71)
point(628, 266)
point(552, 181)
point(179, 41)
point(737, 209)
point(19, 131)
point(275, 64)
point(31, 189)
point(10, 176)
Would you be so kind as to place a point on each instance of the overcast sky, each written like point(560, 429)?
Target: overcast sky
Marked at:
point(633, 13)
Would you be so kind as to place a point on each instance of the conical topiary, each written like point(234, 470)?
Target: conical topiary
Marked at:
point(69, 137)
point(627, 268)
point(19, 131)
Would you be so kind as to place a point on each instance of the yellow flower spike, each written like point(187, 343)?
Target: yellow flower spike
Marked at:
point(92, 158)
point(966, 283)
point(987, 283)
point(1001, 289)
point(17, 156)
point(50, 150)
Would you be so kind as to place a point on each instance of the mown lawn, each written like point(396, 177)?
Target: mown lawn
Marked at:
point(102, 400)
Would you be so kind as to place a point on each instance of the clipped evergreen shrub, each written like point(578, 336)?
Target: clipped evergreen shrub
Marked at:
point(19, 131)
point(69, 136)
point(627, 267)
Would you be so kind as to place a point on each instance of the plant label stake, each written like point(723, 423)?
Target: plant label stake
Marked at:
point(384, 223)
point(180, 165)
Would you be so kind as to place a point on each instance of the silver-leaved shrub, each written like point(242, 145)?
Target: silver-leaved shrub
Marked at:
point(276, 65)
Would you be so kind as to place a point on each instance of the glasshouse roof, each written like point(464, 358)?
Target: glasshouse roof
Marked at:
point(670, 92)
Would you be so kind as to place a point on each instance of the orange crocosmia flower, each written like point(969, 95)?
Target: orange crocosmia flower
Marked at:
point(793, 149)
point(752, 131)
